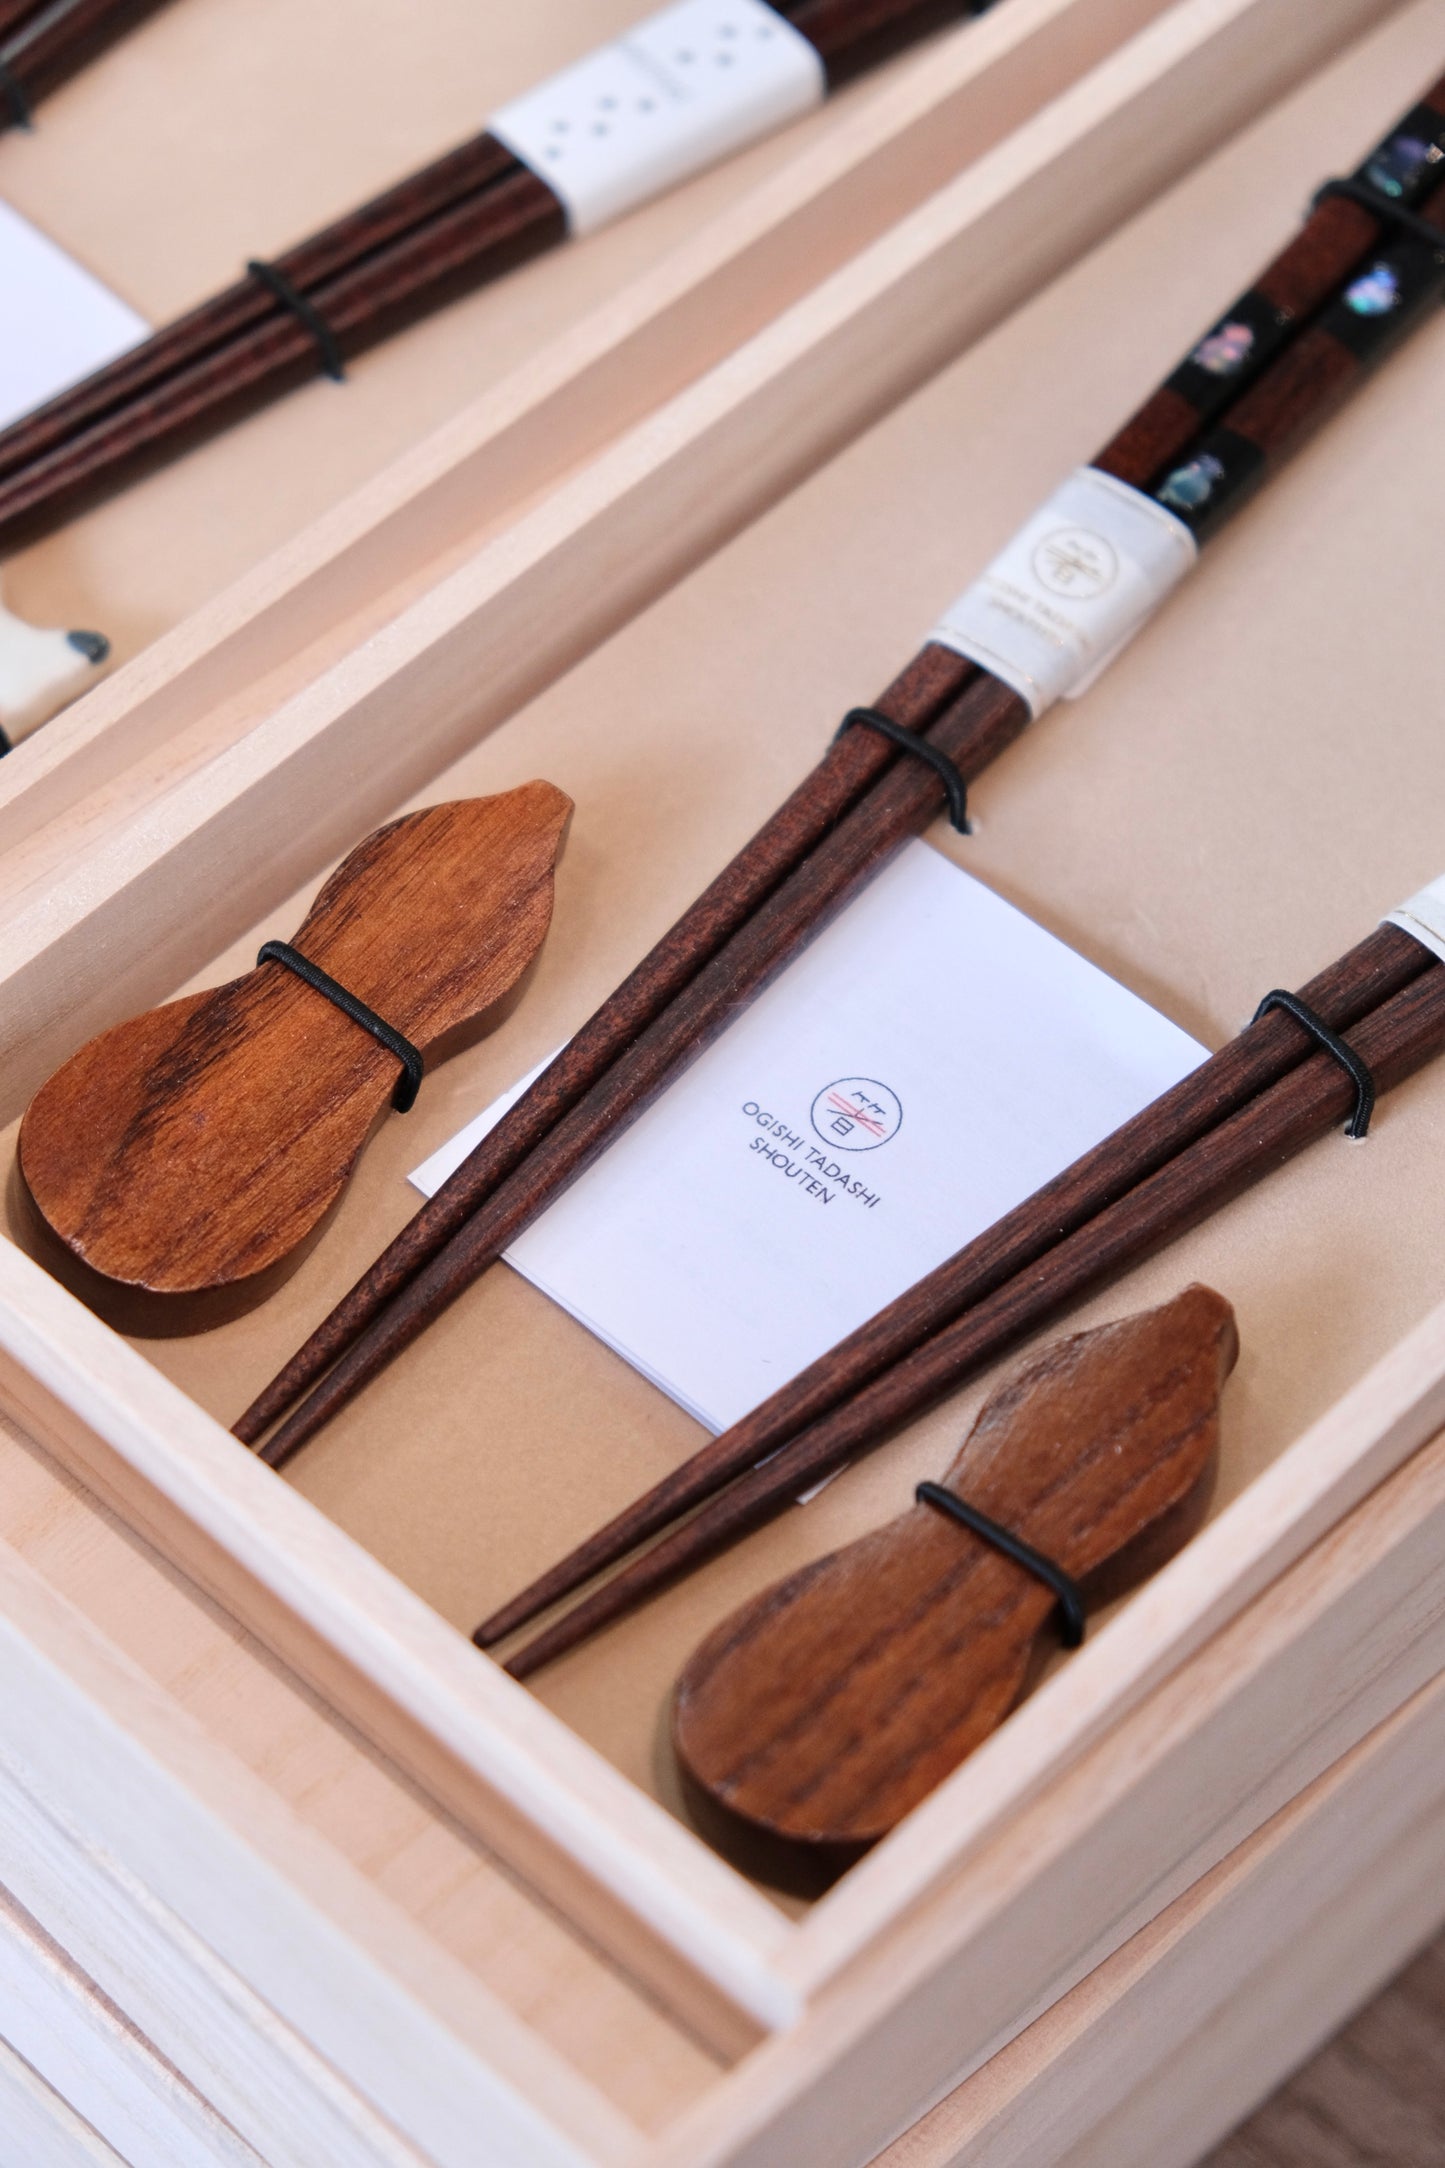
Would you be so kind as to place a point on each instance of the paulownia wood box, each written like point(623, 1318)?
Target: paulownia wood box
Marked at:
point(364, 1898)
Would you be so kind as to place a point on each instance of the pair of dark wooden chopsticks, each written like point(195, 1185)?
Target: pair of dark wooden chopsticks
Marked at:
point(1228, 425)
point(1241, 1114)
point(454, 225)
point(44, 42)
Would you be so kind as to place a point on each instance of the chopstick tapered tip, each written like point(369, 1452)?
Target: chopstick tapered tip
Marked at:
point(519, 1612)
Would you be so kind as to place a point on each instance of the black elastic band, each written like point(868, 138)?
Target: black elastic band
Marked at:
point(13, 92)
point(306, 312)
point(1071, 1602)
point(1332, 1043)
point(1387, 211)
point(413, 1068)
point(954, 787)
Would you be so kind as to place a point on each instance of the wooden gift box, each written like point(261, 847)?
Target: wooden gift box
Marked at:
point(365, 1898)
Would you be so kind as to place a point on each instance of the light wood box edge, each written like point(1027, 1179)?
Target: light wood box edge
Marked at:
point(269, 1973)
point(566, 1820)
point(1150, 2059)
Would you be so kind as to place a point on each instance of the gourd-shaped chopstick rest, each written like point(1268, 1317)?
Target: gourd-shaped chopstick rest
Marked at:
point(173, 1170)
point(814, 1718)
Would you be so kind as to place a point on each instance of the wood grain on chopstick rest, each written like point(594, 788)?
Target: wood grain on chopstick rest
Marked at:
point(179, 1162)
point(1267, 1050)
point(1396, 1038)
point(1300, 276)
point(813, 1719)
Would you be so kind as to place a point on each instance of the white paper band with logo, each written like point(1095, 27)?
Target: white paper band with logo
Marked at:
point(1424, 917)
point(685, 87)
point(1071, 589)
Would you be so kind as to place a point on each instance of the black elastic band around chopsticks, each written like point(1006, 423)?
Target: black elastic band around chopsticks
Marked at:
point(305, 312)
point(413, 1068)
point(1071, 1603)
point(1387, 211)
point(13, 93)
point(1356, 1069)
point(954, 787)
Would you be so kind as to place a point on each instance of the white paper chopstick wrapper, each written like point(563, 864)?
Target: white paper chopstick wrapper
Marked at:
point(686, 87)
point(1071, 589)
point(1424, 917)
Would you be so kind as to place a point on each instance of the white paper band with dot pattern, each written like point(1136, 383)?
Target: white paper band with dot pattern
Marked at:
point(686, 87)
point(1071, 589)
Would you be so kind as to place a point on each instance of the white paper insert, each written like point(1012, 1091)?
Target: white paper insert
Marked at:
point(930, 1061)
point(57, 322)
point(1071, 589)
point(683, 88)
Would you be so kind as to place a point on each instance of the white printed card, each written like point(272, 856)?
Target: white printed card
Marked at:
point(926, 1064)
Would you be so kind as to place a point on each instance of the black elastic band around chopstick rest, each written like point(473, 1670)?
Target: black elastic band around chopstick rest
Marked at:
point(13, 95)
point(1072, 1622)
point(412, 1065)
point(954, 787)
point(1357, 1070)
point(1387, 211)
point(305, 312)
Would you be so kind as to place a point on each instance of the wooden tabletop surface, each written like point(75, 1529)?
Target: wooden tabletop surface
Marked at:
point(1374, 2098)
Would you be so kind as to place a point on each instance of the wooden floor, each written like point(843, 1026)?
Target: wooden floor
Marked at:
point(1375, 2098)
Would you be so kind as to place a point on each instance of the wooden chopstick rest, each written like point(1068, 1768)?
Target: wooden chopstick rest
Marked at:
point(174, 1169)
point(811, 1721)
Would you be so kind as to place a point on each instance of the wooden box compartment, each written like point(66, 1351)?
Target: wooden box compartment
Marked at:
point(647, 610)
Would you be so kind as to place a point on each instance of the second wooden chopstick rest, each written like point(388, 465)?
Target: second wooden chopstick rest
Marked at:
point(176, 1167)
point(811, 1721)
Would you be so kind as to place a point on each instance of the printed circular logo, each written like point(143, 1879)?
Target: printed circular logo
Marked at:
point(1076, 563)
point(856, 1114)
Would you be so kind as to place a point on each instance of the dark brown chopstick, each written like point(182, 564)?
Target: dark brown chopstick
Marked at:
point(1135, 457)
point(400, 211)
point(851, 765)
point(13, 16)
point(1263, 1053)
point(484, 234)
point(156, 376)
point(972, 730)
point(1395, 1039)
point(854, 35)
point(42, 47)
